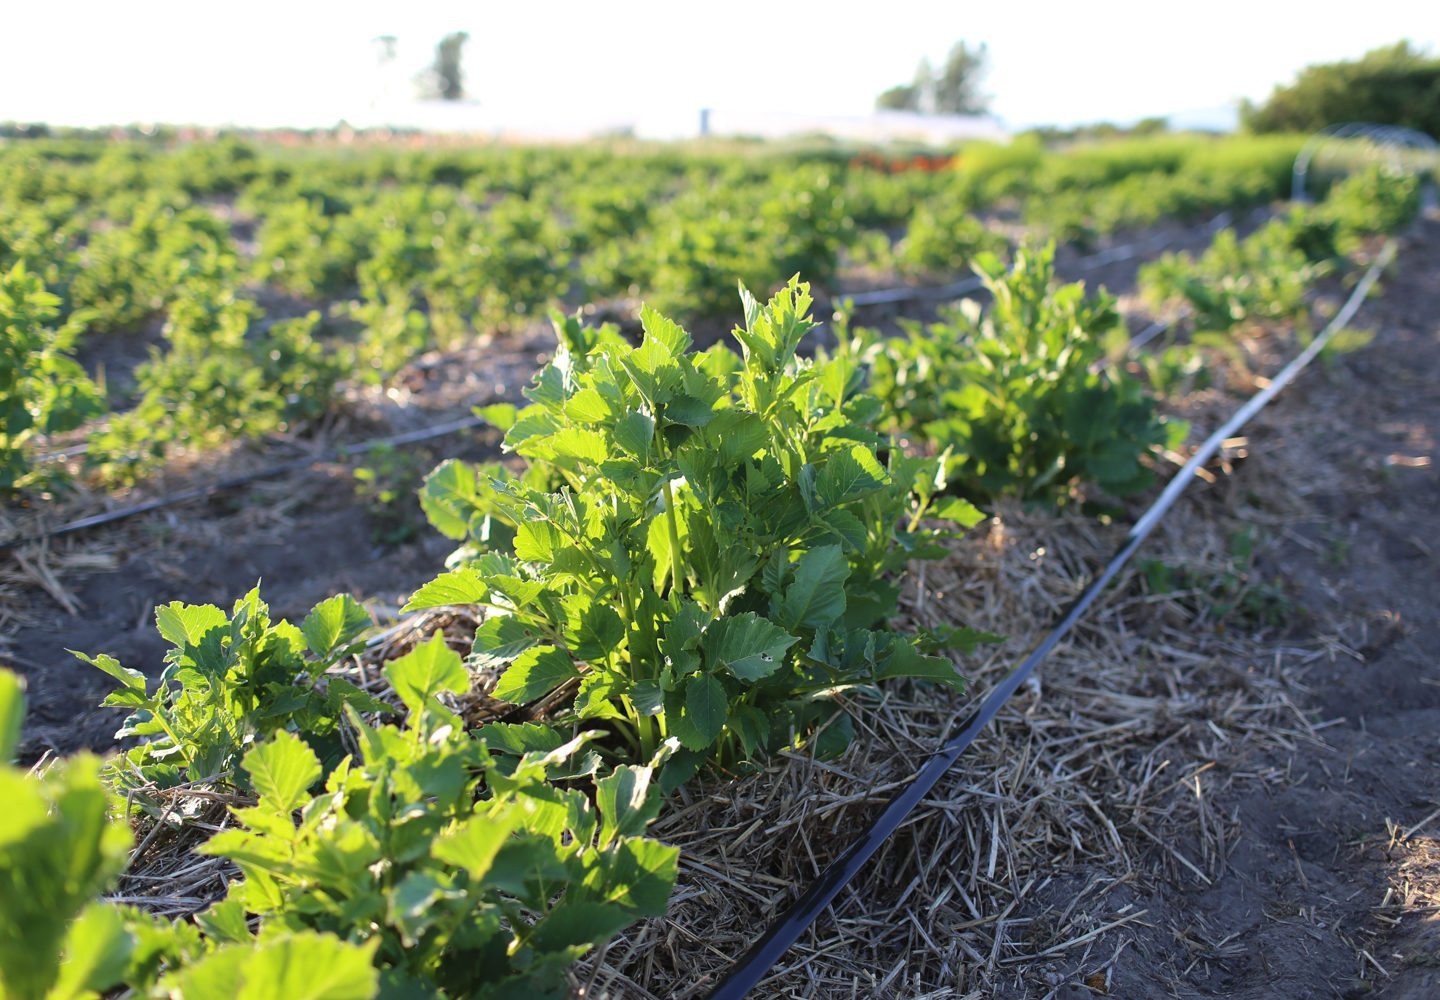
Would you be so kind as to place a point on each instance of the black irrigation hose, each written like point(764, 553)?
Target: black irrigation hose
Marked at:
point(270, 472)
point(786, 930)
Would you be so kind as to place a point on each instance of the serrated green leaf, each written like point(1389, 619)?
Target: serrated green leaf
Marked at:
point(472, 845)
point(426, 671)
point(626, 802)
point(573, 927)
point(588, 407)
point(333, 624)
point(904, 660)
point(815, 597)
point(634, 432)
point(282, 769)
point(301, 966)
point(448, 497)
point(132, 680)
point(961, 512)
point(499, 639)
point(749, 646)
point(534, 672)
point(703, 711)
point(521, 738)
point(647, 698)
point(663, 331)
point(186, 624)
point(848, 475)
point(457, 587)
point(850, 528)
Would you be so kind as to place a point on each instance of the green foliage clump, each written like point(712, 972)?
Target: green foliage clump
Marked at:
point(307, 251)
point(706, 240)
point(462, 877)
point(1392, 85)
point(1019, 397)
point(132, 271)
point(1370, 202)
point(225, 375)
point(1262, 278)
point(229, 680)
point(43, 390)
point(701, 544)
point(943, 238)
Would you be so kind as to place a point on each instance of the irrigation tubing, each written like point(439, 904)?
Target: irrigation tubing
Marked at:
point(786, 930)
point(270, 472)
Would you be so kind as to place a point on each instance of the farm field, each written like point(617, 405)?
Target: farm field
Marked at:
point(583, 690)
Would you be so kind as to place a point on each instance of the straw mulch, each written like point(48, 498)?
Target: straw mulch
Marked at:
point(1105, 764)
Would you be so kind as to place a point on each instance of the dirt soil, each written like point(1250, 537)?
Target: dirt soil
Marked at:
point(1332, 886)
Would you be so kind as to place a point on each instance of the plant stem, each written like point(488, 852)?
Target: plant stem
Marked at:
point(677, 568)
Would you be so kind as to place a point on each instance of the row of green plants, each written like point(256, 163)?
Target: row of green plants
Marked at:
point(365, 259)
point(1264, 277)
point(696, 565)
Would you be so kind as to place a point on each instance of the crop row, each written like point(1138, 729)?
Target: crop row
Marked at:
point(361, 261)
point(697, 566)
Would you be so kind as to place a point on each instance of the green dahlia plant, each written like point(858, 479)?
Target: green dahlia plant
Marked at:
point(702, 545)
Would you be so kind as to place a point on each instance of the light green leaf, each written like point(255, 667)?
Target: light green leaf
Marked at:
point(97, 953)
point(302, 966)
point(458, 586)
point(282, 770)
point(588, 407)
point(331, 626)
point(132, 680)
point(635, 432)
point(665, 332)
point(448, 496)
point(499, 639)
point(501, 416)
point(425, 671)
point(626, 802)
point(534, 673)
point(538, 541)
point(962, 512)
point(816, 595)
point(581, 447)
point(186, 624)
point(472, 845)
point(12, 713)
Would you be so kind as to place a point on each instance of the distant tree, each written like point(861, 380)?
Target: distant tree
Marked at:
point(445, 80)
point(954, 90)
point(1394, 85)
point(957, 87)
point(905, 97)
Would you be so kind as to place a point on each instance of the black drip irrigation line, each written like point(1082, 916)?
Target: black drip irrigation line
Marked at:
point(787, 928)
point(271, 472)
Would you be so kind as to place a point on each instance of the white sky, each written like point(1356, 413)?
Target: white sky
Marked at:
point(305, 62)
